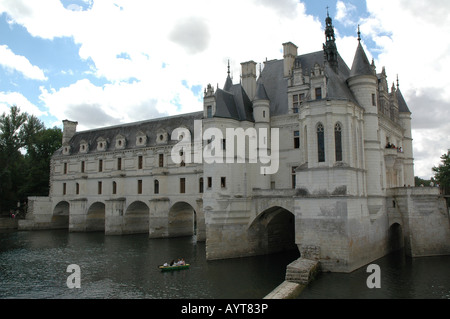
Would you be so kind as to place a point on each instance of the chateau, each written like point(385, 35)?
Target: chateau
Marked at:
point(343, 188)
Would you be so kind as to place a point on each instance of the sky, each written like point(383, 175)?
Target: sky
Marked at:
point(107, 62)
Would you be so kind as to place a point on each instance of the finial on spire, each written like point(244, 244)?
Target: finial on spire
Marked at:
point(397, 82)
point(228, 67)
point(359, 34)
point(328, 14)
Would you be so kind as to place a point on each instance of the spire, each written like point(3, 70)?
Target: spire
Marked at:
point(329, 48)
point(228, 82)
point(361, 64)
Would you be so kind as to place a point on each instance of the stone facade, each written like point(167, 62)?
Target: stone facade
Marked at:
point(330, 132)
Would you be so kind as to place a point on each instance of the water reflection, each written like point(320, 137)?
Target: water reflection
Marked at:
point(402, 277)
point(33, 265)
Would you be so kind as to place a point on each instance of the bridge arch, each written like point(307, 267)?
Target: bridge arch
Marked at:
point(182, 220)
point(60, 216)
point(95, 217)
point(273, 230)
point(395, 237)
point(136, 218)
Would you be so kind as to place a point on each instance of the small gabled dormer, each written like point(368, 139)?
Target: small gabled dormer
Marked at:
point(84, 147)
point(141, 138)
point(121, 142)
point(102, 144)
point(162, 137)
point(66, 149)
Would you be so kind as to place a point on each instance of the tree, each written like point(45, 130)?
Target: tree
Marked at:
point(442, 172)
point(25, 151)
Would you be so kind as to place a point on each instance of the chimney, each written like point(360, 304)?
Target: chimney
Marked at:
point(249, 78)
point(69, 130)
point(289, 55)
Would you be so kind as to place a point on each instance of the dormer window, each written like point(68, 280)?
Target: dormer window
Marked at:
point(209, 111)
point(84, 146)
point(66, 149)
point(120, 142)
point(162, 137)
point(141, 139)
point(101, 144)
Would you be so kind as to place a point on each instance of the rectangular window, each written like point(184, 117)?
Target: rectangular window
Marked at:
point(293, 176)
point(209, 182)
point(119, 164)
point(65, 168)
point(64, 188)
point(156, 188)
point(82, 166)
point(77, 188)
point(318, 93)
point(100, 165)
point(374, 101)
point(224, 144)
point(182, 185)
point(161, 160)
point(139, 190)
point(114, 188)
point(209, 111)
point(99, 186)
point(200, 185)
point(140, 160)
point(295, 103)
point(296, 139)
point(223, 182)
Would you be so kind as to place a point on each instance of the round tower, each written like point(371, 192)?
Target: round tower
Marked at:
point(261, 115)
point(363, 83)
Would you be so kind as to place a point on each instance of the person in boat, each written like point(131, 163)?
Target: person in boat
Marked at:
point(182, 262)
point(172, 263)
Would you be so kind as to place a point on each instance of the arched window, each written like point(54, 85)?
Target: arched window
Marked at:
point(320, 143)
point(156, 190)
point(338, 142)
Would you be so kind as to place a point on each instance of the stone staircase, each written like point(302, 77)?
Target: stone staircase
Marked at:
point(302, 271)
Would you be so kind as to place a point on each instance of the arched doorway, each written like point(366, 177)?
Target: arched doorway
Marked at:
point(182, 220)
point(136, 219)
point(95, 218)
point(395, 237)
point(60, 217)
point(273, 231)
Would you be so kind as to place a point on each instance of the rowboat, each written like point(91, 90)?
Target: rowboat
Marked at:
point(172, 268)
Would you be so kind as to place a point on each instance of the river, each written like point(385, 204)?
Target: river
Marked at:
point(33, 265)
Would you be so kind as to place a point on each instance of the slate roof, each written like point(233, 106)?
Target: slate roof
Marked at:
point(361, 64)
point(402, 106)
point(276, 85)
point(233, 103)
point(151, 128)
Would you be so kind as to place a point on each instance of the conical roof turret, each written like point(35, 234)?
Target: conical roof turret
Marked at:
point(261, 93)
point(361, 64)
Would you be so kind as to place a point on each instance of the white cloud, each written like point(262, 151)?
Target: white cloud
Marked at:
point(412, 38)
point(21, 64)
point(167, 42)
point(8, 99)
point(344, 13)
